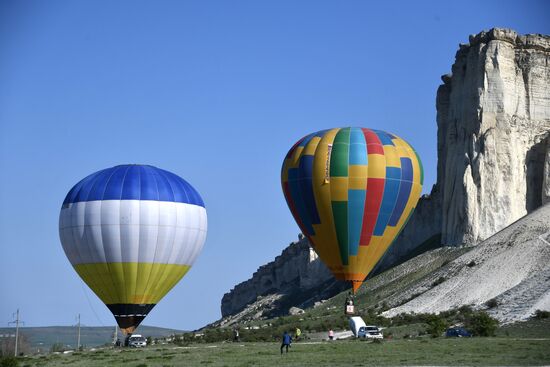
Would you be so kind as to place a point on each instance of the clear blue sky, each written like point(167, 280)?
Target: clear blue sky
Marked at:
point(216, 92)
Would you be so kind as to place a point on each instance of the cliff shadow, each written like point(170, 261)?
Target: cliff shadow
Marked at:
point(534, 163)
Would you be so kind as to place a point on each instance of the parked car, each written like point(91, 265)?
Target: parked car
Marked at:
point(457, 332)
point(137, 341)
point(370, 332)
point(361, 330)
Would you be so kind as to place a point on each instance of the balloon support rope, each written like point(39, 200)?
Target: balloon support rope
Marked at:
point(90, 303)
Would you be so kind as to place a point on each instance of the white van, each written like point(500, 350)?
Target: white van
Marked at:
point(361, 330)
point(355, 324)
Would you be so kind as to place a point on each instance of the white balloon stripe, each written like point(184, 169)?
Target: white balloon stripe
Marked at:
point(132, 231)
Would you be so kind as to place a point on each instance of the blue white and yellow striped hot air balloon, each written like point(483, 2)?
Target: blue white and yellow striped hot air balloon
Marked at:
point(351, 190)
point(132, 232)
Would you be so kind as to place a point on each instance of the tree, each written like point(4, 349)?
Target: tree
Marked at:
point(540, 314)
point(436, 325)
point(492, 303)
point(481, 324)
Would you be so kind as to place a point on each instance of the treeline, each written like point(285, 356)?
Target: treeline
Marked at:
point(479, 323)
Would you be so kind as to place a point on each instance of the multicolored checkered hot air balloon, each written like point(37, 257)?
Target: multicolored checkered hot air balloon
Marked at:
point(351, 190)
point(132, 232)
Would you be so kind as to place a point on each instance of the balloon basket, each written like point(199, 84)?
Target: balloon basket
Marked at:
point(349, 310)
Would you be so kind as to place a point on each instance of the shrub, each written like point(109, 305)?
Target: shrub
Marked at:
point(438, 281)
point(464, 312)
point(492, 303)
point(57, 347)
point(9, 362)
point(436, 325)
point(481, 324)
point(540, 314)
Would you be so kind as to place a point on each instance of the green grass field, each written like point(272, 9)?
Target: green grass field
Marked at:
point(421, 351)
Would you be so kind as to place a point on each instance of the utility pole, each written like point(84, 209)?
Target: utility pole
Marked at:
point(78, 339)
point(16, 322)
point(115, 335)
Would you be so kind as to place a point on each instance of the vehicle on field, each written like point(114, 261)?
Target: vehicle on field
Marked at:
point(137, 341)
point(458, 332)
point(355, 324)
point(371, 332)
point(362, 330)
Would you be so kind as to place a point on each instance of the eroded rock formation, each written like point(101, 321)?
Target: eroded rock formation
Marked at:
point(298, 268)
point(493, 115)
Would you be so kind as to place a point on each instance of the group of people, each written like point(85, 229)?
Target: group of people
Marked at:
point(287, 338)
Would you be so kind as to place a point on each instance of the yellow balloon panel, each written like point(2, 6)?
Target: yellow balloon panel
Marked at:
point(131, 283)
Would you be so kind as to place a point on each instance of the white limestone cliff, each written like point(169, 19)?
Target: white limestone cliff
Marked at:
point(493, 118)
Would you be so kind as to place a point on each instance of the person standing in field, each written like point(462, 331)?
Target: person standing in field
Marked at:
point(330, 334)
point(298, 333)
point(287, 340)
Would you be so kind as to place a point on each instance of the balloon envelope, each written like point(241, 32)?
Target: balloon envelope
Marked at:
point(132, 232)
point(351, 190)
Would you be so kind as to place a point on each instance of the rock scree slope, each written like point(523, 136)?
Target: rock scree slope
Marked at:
point(512, 267)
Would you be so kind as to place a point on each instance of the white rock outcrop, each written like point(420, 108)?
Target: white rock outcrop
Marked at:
point(493, 116)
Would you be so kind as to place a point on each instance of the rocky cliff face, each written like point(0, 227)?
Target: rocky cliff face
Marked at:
point(493, 119)
point(297, 269)
point(546, 175)
point(493, 115)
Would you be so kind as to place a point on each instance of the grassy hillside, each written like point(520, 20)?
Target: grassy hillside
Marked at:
point(424, 351)
point(378, 293)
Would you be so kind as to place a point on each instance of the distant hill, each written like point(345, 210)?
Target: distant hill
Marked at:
point(44, 337)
